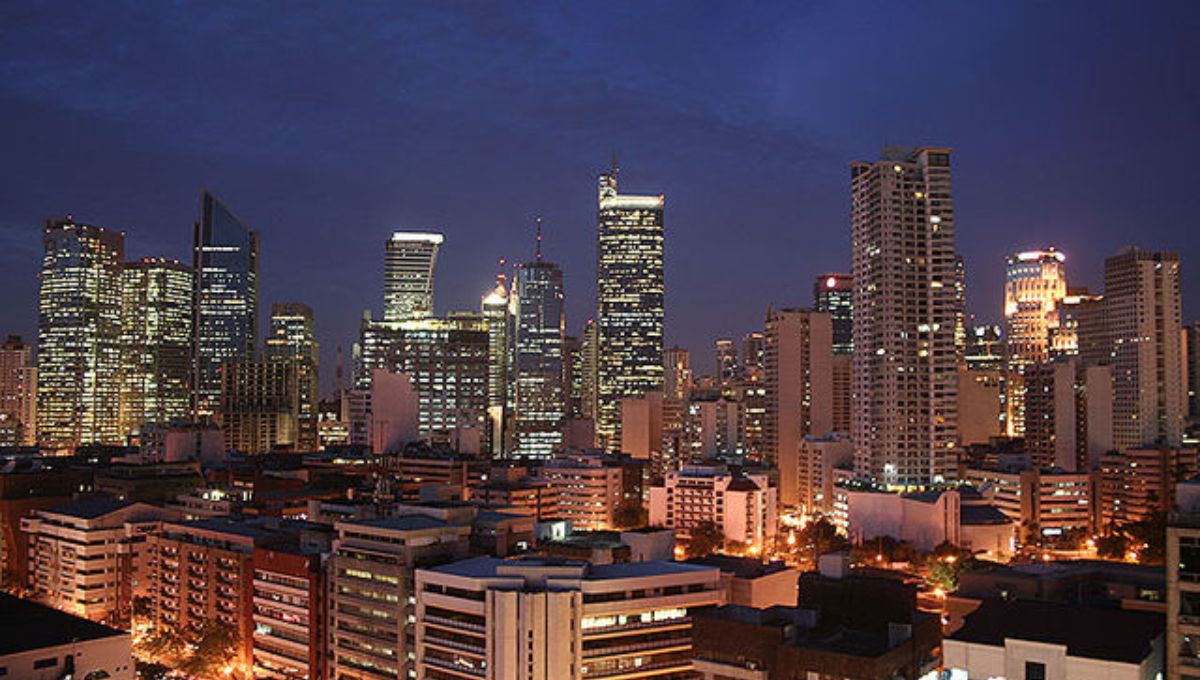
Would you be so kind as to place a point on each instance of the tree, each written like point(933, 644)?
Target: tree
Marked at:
point(1113, 546)
point(630, 514)
point(165, 645)
point(822, 537)
point(1149, 539)
point(705, 539)
point(215, 648)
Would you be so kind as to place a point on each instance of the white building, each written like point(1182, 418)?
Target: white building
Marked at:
point(806, 475)
point(743, 507)
point(1027, 640)
point(40, 643)
point(540, 619)
point(927, 519)
point(86, 557)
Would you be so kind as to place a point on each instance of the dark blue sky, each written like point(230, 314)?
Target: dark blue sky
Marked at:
point(326, 126)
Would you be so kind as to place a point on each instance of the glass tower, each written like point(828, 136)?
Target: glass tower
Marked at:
point(79, 335)
point(1034, 288)
point(834, 293)
point(409, 262)
point(629, 303)
point(538, 347)
point(293, 339)
point(225, 259)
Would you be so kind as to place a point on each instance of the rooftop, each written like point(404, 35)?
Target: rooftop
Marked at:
point(414, 522)
point(1094, 633)
point(29, 626)
point(486, 567)
point(741, 567)
point(90, 507)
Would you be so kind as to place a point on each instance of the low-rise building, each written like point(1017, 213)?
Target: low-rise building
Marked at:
point(960, 516)
point(547, 619)
point(750, 582)
point(742, 506)
point(1049, 502)
point(1139, 483)
point(1032, 640)
point(41, 643)
point(589, 489)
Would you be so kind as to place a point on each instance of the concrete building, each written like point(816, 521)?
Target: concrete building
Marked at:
point(290, 609)
point(18, 393)
point(410, 258)
point(395, 417)
point(907, 314)
point(225, 262)
point(1183, 594)
point(806, 478)
point(798, 379)
point(979, 404)
point(293, 340)
point(642, 429)
point(742, 506)
point(750, 582)
point(260, 406)
point(1141, 294)
point(629, 303)
point(1138, 483)
point(539, 619)
point(1068, 413)
point(1035, 284)
point(834, 294)
point(728, 369)
point(589, 490)
point(985, 349)
point(79, 335)
point(26, 487)
point(712, 428)
point(1032, 640)
point(927, 519)
point(494, 308)
point(89, 558)
point(373, 603)
point(677, 383)
point(40, 643)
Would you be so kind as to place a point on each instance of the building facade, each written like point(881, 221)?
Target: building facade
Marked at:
point(1035, 285)
point(156, 342)
point(293, 340)
point(18, 393)
point(741, 506)
point(798, 365)
point(834, 294)
point(410, 258)
point(540, 412)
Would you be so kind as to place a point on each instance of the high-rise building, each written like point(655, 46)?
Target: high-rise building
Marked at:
point(572, 376)
point(907, 311)
point(728, 369)
point(678, 364)
point(18, 393)
point(799, 379)
point(589, 345)
point(985, 348)
point(1068, 414)
point(79, 335)
point(754, 348)
point(834, 293)
point(629, 302)
point(538, 345)
point(293, 339)
point(494, 307)
point(1191, 360)
point(1141, 293)
point(225, 262)
point(1035, 285)
point(742, 506)
point(290, 615)
point(260, 406)
point(408, 269)
point(447, 362)
point(156, 342)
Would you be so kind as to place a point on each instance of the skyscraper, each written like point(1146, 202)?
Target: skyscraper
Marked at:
point(79, 335)
point(1141, 293)
point(754, 345)
point(18, 393)
point(293, 339)
point(156, 342)
point(629, 302)
point(1034, 288)
point(834, 293)
point(798, 386)
point(538, 347)
point(1191, 359)
point(727, 363)
point(907, 310)
point(408, 267)
point(225, 262)
point(678, 364)
point(588, 347)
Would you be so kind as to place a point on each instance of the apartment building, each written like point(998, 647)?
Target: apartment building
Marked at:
point(547, 619)
point(1050, 501)
point(88, 557)
point(289, 614)
point(372, 600)
point(589, 490)
point(1138, 483)
point(742, 506)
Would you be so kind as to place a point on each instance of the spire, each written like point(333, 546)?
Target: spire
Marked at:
point(537, 255)
point(614, 170)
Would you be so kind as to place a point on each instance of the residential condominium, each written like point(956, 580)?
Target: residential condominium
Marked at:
point(589, 490)
point(742, 506)
point(907, 315)
point(18, 393)
point(372, 609)
point(554, 619)
point(290, 599)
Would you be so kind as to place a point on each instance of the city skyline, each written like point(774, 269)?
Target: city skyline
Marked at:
point(788, 206)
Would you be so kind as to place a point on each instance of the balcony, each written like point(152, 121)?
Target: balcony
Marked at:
point(464, 671)
point(453, 624)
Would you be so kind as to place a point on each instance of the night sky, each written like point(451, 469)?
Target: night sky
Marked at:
point(326, 126)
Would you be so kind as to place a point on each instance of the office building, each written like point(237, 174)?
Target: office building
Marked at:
point(408, 267)
point(754, 354)
point(41, 643)
point(806, 477)
point(678, 383)
point(741, 505)
point(290, 609)
point(1046, 502)
point(494, 308)
point(225, 265)
point(88, 557)
point(574, 620)
point(728, 370)
point(1137, 484)
point(1068, 413)
point(293, 340)
point(712, 428)
point(979, 405)
point(156, 343)
point(540, 402)
point(907, 311)
point(447, 361)
point(1182, 565)
point(985, 349)
point(798, 379)
point(373, 608)
point(1141, 294)
point(589, 490)
point(589, 345)
point(18, 393)
point(629, 303)
point(834, 294)
point(79, 335)
point(1035, 285)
